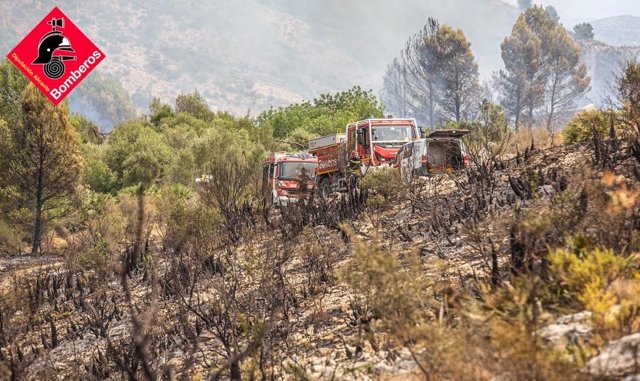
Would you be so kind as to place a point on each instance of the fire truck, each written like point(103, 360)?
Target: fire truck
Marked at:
point(282, 175)
point(374, 143)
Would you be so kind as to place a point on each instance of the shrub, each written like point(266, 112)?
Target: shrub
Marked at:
point(99, 177)
point(10, 238)
point(384, 182)
point(583, 125)
point(606, 284)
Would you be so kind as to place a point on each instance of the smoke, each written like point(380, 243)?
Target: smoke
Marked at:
point(248, 55)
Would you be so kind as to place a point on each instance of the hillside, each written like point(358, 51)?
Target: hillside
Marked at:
point(604, 62)
point(618, 31)
point(248, 55)
point(78, 321)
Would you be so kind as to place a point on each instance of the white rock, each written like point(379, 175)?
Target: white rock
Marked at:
point(556, 333)
point(619, 358)
point(573, 318)
point(567, 328)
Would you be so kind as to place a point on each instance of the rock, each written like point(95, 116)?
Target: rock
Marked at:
point(573, 318)
point(406, 365)
point(635, 377)
point(567, 329)
point(619, 358)
point(382, 368)
point(558, 333)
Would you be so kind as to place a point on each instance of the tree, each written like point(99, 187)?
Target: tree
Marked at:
point(553, 13)
point(584, 31)
point(524, 4)
point(158, 111)
point(195, 105)
point(12, 83)
point(394, 92)
point(543, 75)
point(459, 72)
point(628, 95)
point(87, 130)
point(519, 83)
point(438, 74)
point(567, 81)
point(326, 114)
point(421, 64)
point(137, 154)
point(43, 162)
point(489, 138)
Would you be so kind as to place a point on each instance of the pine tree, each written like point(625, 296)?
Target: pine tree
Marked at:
point(420, 61)
point(583, 31)
point(524, 4)
point(543, 75)
point(436, 77)
point(519, 84)
point(43, 162)
point(459, 72)
point(394, 93)
point(568, 78)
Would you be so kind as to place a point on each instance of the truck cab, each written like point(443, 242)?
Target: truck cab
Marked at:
point(374, 142)
point(377, 141)
point(283, 174)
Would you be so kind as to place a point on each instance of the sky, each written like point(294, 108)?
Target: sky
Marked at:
point(584, 10)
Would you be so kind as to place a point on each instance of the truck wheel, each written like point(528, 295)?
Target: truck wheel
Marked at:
point(324, 188)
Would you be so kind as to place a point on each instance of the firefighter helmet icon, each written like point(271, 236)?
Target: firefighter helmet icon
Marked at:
point(53, 49)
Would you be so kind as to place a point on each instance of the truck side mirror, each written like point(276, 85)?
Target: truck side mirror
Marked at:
point(423, 132)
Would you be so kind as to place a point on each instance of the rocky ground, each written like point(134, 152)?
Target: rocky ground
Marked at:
point(61, 324)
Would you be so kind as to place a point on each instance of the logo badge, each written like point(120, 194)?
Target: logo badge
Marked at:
point(56, 56)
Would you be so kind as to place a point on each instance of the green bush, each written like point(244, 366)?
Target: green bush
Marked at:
point(10, 238)
point(384, 182)
point(100, 178)
point(581, 127)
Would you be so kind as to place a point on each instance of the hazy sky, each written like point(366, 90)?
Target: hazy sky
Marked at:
point(572, 11)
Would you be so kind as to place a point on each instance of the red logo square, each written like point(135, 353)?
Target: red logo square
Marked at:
point(56, 56)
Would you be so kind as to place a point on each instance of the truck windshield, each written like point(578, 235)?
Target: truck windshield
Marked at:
point(292, 170)
point(391, 133)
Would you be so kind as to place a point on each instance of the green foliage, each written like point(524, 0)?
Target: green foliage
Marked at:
point(583, 125)
point(99, 177)
point(159, 111)
point(10, 237)
point(195, 105)
point(12, 83)
point(437, 75)
point(88, 131)
point(543, 73)
point(382, 182)
point(324, 115)
point(604, 283)
point(43, 160)
point(136, 153)
point(583, 31)
point(96, 256)
point(490, 136)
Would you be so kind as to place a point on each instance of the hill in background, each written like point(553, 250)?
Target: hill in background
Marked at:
point(618, 30)
point(248, 55)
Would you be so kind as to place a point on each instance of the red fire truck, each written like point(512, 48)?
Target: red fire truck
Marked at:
point(374, 142)
point(282, 174)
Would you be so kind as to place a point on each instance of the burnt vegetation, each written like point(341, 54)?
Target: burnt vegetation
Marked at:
point(143, 274)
